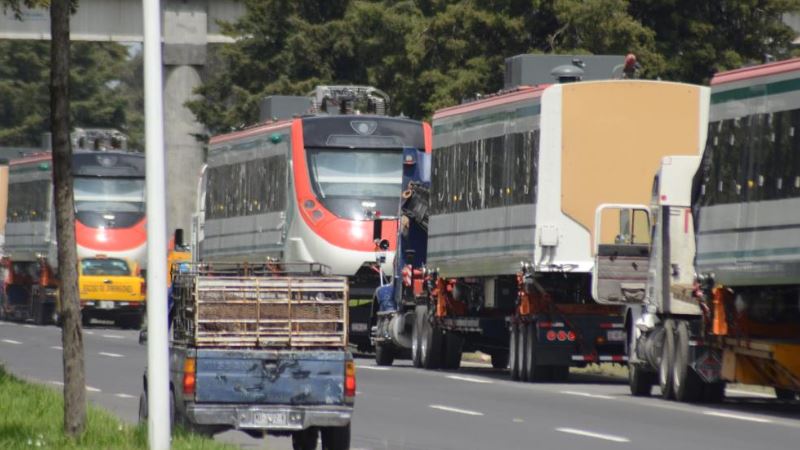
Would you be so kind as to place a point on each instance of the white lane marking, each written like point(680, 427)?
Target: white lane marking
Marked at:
point(456, 410)
point(122, 395)
point(57, 347)
point(113, 355)
point(92, 389)
point(736, 416)
point(113, 336)
point(372, 368)
point(606, 437)
point(749, 393)
point(586, 394)
point(88, 332)
point(29, 326)
point(470, 379)
point(517, 420)
point(11, 341)
point(57, 383)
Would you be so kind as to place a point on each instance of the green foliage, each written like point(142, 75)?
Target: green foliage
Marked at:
point(33, 417)
point(432, 53)
point(105, 90)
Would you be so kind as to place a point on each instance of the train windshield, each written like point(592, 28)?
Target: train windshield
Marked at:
point(109, 202)
point(353, 181)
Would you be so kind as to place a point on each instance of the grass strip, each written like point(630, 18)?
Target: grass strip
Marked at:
point(31, 417)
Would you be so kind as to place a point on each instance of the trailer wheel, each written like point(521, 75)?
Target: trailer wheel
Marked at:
point(687, 385)
point(336, 438)
point(384, 354)
point(513, 353)
point(305, 439)
point(500, 358)
point(38, 311)
point(416, 335)
point(785, 394)
point(431, 348)
point(640, 381)
point(666, 362)
point(714, 392)
point(532, 371)
point(453, 347)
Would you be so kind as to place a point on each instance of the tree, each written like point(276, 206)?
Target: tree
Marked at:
point(71, 334)
point(104, 90)
point(432, 53)
point(697, 39)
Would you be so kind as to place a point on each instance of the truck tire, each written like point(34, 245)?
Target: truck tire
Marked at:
point(532, 370)
point(305, 439)
point(513, 352)
point(500, 358)
point(143, 408)
point(416, 335)
point(785, 394)
point(336, 438)
point(714, 392)
point(38, 311)
point(384, 354)
point(640, 380)
point(453, 347)
point(686, 383)
point(665, 363)
point(431, 348)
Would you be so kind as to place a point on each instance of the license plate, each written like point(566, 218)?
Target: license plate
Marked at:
point(358, 326)
point(616, 335)
point(106, 305)
point(268, 419)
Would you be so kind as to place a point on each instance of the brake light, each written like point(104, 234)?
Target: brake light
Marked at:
point(189, 375)
point(562, 335)
point(551, 335)
point(349, 380)
point(571, 336)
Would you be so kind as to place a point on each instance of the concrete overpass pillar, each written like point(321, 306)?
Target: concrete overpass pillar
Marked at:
point(184, 53)
point(184, 152)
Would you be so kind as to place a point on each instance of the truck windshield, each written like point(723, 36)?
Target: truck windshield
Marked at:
point(104, 266)
point(350, 182)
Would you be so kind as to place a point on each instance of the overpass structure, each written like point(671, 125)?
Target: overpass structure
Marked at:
point(188, 27)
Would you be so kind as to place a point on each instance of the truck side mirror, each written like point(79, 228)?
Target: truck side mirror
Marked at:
point(377, 230)
point(410, 254)
point(178, 238)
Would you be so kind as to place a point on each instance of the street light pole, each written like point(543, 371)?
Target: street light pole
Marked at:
point(158, 420)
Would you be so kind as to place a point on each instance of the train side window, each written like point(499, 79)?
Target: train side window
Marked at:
point(792, 162)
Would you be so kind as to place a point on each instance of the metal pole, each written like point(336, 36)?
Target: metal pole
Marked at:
point(158, 420)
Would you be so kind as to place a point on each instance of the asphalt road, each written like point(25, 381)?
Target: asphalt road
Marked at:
point(475, 408)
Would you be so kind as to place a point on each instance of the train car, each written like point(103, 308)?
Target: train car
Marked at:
point(521, 183)
point(308, 189)
point(108, 185)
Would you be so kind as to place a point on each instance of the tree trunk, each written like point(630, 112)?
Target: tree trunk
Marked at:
point(71, 334)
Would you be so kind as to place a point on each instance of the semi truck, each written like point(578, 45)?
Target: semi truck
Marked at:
point(512, 247)
point(722, 293)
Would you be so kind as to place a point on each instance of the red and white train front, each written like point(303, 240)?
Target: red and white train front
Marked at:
point(110, 205)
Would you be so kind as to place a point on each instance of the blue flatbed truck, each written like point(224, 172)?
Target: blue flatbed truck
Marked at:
point(261, 349)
